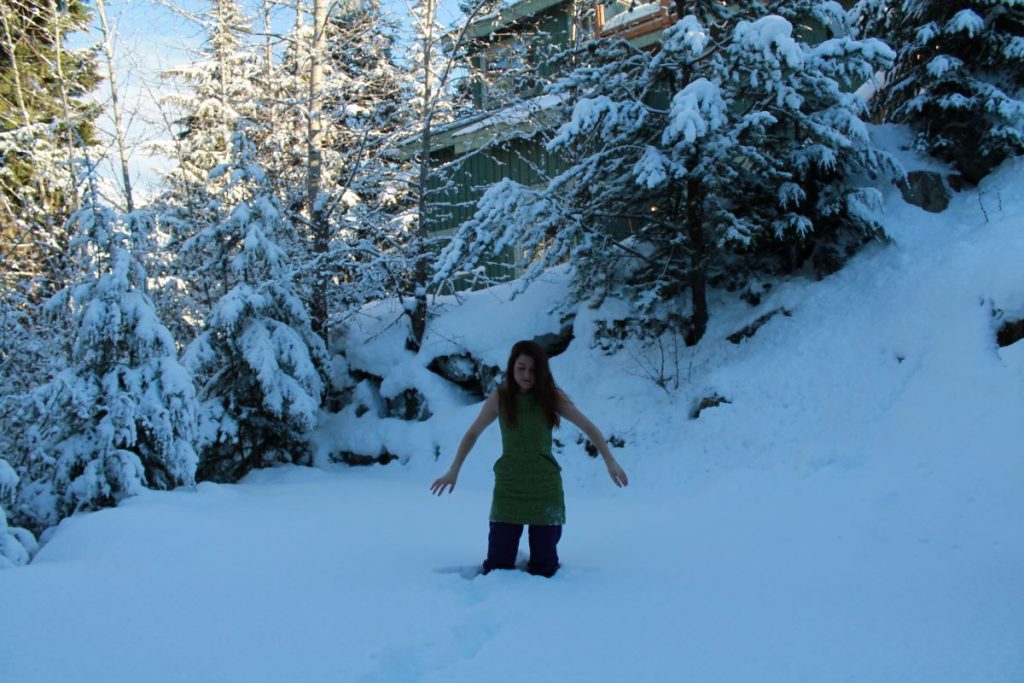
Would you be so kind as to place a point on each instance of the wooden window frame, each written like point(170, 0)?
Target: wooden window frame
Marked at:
point(656, 21)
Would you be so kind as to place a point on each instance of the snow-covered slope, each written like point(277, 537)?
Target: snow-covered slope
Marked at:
point(853, 514)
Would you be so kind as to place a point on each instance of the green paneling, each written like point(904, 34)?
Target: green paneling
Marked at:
point(522, 160)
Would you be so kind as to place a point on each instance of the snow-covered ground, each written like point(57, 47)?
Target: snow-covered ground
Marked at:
point(855, 513)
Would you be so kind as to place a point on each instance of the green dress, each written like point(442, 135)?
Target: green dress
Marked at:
point(527, 478)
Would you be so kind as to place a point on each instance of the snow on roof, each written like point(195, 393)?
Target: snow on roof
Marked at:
point(632, 15)
point(513, 115)
point(508, 14)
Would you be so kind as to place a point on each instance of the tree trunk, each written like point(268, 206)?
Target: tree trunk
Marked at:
point(57, 260)
point(268, 48)
point(314, 170)
point(698, 263)
point(224, 60)
point(10, 45)
point(418, 314)
point(119, 132)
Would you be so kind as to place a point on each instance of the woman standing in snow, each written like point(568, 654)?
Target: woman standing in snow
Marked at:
point(527, 479)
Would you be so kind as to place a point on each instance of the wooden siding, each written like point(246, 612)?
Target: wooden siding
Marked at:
point(456, 187)
point(547, 33)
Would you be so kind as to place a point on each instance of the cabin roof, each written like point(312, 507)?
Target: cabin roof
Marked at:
point(507, 15)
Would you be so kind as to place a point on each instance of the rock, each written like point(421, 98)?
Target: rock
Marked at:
point(360, 460)
point(557, 342)
point(408, 405)
point(926, 189)
point(481, 379)
point(490, 377)
point(707, 402)
point(613, 442)
point(1010, 332)
point(367, 398)
point(460, 368)
point(468, 372)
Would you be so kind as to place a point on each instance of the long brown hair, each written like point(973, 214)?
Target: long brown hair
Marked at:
point(544, 388)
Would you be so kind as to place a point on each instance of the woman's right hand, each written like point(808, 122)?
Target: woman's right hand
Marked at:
point(441, 483)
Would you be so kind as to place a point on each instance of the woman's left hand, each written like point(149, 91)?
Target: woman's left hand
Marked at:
point(616, 472)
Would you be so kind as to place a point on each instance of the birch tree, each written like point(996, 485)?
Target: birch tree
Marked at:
point(116, 108)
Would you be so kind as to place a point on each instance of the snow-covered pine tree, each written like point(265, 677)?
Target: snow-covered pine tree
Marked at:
point(429, 64)
point(734, 139)
point(16, 544)
point(33, 350)
point(258, 364)
point(223, 81)
point(215, 89)
point(366, 188)
point(958, 79)
point(122, 416)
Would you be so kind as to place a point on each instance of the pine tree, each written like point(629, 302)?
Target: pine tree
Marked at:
point(45, 123)
point(431, 64)
point(958, 79)
point(122, 416)
point(361, 103)
point(34, 348)
point(221, 85)
point(258, 363)
point(217, 89)
point(16, 544)
point(734, 140)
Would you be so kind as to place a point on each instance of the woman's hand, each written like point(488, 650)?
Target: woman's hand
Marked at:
point(616, 472)
point(447, 481)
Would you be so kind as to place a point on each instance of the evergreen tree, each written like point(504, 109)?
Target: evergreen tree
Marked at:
point(258, 363)
point(16, 544)
point(221, 85)
point(45, 123)
point(217, 89)
point(734, 141)
point(34, 348)
point(122, 416)
point(958, 79)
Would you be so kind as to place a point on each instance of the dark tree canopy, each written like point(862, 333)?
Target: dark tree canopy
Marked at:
point(958, 76)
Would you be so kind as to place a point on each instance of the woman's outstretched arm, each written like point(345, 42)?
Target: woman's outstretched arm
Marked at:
point(487, 415)
point(571, 413)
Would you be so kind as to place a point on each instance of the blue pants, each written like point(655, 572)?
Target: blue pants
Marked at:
point(503, 544)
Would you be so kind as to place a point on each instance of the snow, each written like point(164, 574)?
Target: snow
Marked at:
point(943, 64)
point(588, 112)
point(695, 110)
point(513, 115)
point(772, 37)
point(652, 169)
point(965, 21)
point(636, 14)
point(851, 515)
point(686, 36)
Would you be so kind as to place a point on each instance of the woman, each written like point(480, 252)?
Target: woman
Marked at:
point(527, 479)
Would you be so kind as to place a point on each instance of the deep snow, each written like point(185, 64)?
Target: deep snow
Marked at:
point(854, 514)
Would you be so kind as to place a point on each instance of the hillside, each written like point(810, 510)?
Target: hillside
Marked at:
point(852, 513)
